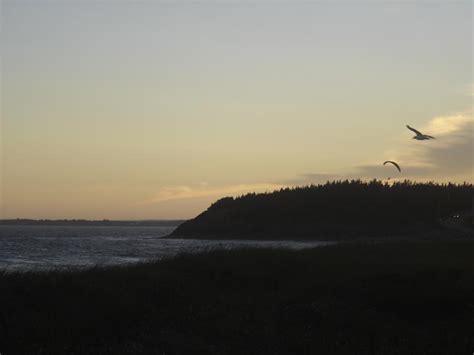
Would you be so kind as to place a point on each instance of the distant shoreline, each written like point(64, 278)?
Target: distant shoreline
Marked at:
point(84, 222)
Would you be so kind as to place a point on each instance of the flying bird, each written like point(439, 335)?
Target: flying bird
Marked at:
point(419, 136)
point(394, 163)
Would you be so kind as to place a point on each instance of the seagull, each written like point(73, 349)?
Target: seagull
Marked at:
point(419, 136)
point(394, 163)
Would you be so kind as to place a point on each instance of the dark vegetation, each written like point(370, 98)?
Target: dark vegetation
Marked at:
point(340, 209)
point(385, 298)
point(85, 222)
point(468, 221)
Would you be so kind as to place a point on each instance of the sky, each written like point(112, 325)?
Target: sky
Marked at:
point(154, 109)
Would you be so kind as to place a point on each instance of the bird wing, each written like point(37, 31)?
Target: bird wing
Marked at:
point(431, 137)
point(414, 130)
point(394, 163)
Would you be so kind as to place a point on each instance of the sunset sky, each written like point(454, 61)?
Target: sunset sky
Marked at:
point(154, 109)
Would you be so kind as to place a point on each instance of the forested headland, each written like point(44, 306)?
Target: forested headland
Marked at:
point(336, 209)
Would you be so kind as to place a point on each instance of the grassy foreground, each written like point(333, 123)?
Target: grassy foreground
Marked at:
point(390, 298)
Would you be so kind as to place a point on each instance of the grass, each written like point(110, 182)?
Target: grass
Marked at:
point(384, 298)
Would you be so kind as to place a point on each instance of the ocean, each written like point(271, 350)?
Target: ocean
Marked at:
point(26, 248)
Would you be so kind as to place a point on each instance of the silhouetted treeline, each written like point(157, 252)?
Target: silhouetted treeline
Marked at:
point(84, 222)
point(335, 208)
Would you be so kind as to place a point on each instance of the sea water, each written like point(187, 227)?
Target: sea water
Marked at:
point(59, 247)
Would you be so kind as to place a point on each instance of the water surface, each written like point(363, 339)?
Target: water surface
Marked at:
point(49, 247)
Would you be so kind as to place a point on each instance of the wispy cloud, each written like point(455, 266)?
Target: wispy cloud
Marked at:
point(450, 156)
point(313, 178)
point(447, 125)
point(204, 190)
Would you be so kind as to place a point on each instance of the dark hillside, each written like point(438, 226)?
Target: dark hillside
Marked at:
point(335, 209)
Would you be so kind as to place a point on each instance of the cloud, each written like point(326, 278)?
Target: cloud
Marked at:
point(449, 157)
point(313, 178)
point(204, 190)
point(448, 125)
